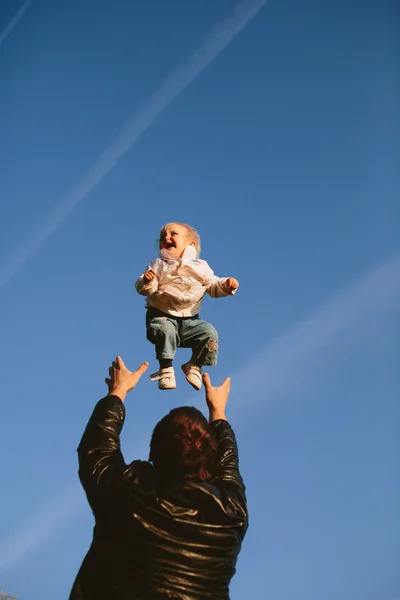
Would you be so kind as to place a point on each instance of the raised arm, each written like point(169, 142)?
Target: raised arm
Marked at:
point(99, 453)
point(226, 472)
point(227, 462)
point(217, 287)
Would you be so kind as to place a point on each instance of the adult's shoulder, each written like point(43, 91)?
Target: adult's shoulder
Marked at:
point(141, 474)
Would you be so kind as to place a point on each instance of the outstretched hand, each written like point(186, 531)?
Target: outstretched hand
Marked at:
point(216, 397)
point(231, 284)
point(121, 380)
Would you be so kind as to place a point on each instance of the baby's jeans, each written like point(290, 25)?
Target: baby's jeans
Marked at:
point(168, 333)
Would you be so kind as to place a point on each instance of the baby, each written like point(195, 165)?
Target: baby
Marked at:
point(174, 285)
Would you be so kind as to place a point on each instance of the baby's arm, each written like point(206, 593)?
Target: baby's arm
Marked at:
point(147, 283)
point(217, 287)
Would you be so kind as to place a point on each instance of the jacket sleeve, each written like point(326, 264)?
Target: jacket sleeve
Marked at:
point(100, 459)
point(226, 472)
point(150, 288)
point(215, 286)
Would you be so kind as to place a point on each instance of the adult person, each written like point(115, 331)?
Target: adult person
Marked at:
point(168, 528)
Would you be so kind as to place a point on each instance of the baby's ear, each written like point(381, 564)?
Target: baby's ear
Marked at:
point(192, 243)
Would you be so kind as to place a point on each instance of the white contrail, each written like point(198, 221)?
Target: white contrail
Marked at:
point(17, 17)
point(269, 373)
point(56, 511)
point(174, 85)
point(271, 370)
point(51, 517)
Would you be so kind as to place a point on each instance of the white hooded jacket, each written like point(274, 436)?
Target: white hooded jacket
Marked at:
point(181, 283)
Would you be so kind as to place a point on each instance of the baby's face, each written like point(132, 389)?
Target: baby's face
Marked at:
point(175, 239)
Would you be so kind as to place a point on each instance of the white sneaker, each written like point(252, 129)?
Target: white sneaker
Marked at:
point(165, 377)
point(192, 374)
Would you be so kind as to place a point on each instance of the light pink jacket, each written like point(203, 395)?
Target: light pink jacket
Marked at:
point(181, 283)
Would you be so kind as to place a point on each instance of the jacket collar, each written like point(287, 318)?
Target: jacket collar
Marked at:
point(190, 253)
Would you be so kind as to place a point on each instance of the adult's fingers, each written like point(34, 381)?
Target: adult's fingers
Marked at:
point(142, 368)
point(119, 363)
point(207, 382)
point(227, 383)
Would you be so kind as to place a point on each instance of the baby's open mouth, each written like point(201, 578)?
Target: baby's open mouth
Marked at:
point(169, 245)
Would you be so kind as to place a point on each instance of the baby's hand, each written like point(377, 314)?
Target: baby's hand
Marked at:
point(231, 284)
point(148, 276)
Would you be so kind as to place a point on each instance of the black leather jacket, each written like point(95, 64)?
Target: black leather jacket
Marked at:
point(156, 540)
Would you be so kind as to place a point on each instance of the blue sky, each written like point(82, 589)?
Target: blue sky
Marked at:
point(273, 128)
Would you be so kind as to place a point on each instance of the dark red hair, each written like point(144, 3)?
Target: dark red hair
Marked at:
point(183, 444)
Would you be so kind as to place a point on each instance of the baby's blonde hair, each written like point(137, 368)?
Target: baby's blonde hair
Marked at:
point(193, 234)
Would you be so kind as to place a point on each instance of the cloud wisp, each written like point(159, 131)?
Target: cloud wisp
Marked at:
point(376, 293)
point(54, 513)
point(172, 87)
point(271, 369)
point(14, 21)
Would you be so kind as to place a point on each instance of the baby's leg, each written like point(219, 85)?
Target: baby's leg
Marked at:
point(202, 338)
point(162, 331)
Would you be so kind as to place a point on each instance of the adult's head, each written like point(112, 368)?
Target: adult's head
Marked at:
point(183, 445)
